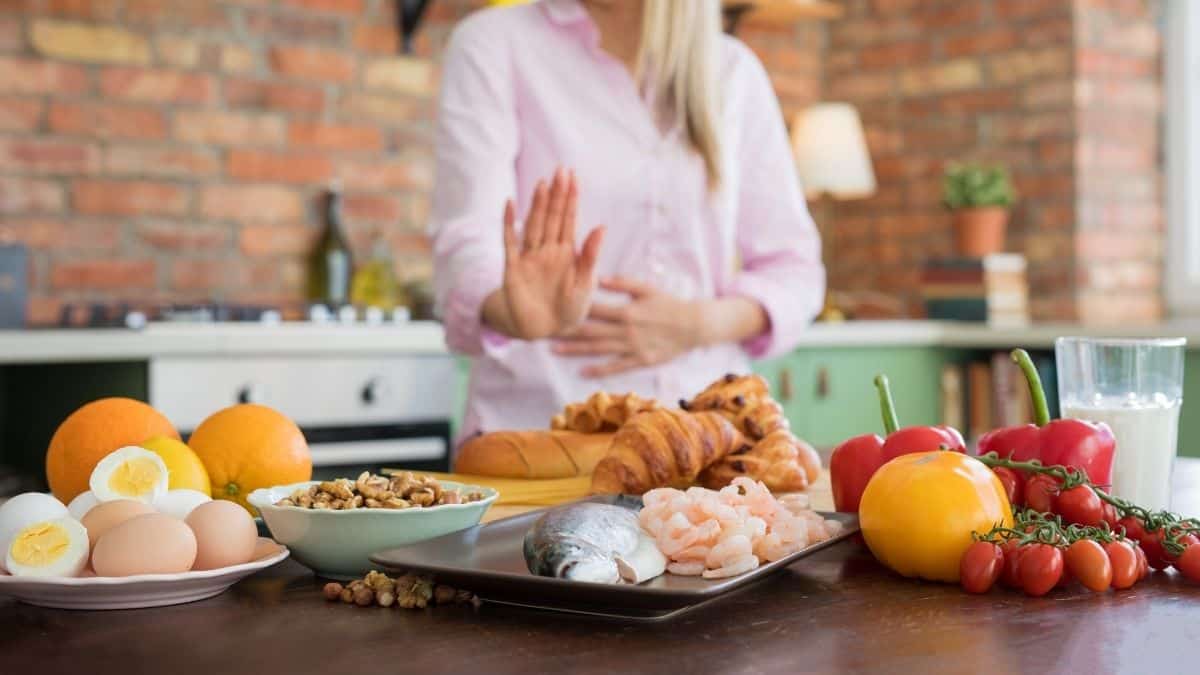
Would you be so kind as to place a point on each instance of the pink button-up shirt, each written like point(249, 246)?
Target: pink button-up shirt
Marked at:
point(526, 89)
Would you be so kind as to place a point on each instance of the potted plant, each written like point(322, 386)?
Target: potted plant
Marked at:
point(979, 198)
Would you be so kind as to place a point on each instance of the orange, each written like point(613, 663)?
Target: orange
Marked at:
point(93, 431)
point(249, 446)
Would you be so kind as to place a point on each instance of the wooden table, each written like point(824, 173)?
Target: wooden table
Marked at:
point(837, 611)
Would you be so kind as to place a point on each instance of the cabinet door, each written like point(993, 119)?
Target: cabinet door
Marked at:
point(789, 386)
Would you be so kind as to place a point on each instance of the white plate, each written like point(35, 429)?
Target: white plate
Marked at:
point(144, 590)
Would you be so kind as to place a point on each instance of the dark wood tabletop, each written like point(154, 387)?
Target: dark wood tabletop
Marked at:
point(837, 611)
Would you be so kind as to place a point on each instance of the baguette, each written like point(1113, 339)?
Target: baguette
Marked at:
point(532, 454)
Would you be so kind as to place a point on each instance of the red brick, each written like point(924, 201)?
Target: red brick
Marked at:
point(1111, 64)
point(104, 274)
point(1033, 126)
point(270, 240)
point(30, 195)
point(951, 75)
point(376, 38)
point(940, 16)
point(207, 274)
point(894, 54)
point(978, 42)
point(335, 137)
point(1054, 93)
point(1057, 152)
point(36, 76)
point(266, 95)
point(253, 165)
point(251, 203)
point(292, 28)
point(160, 161)
point(383, 110)
point(895, 6)
point(234, 129)
point(372, 208)
point(43, 310)
point(861, 86)
point(129, 198)
point(1024, 9)
point(83, 9)
point(188, 14)
point(382, 175)
point(87, 42)
point(12, 36)
point(156, 85)
point(48, 155)
point(312, 63)
point(1049, 32)
point(351, 7)
point(20, 114)
point(107, 121)
point(55, 234)
point(1027, 65)
point(183, 235)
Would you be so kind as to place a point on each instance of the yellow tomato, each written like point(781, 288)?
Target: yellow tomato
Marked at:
point(918, 511)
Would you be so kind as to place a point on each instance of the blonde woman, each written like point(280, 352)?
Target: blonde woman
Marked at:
point(616, 206)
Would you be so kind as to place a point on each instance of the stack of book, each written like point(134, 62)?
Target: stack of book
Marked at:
point(989, 392)
point(991, 289)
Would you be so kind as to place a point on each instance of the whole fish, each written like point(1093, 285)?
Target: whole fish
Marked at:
point(598, 543)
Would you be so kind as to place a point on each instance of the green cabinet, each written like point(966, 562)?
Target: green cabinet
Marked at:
point(829, 393)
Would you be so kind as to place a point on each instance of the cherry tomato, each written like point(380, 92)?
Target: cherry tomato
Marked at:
point(1151, 543)
point(1185, 540)
point(1189, 563)
point(1040, 568)
point(1079, 505)
point(1012, 558)
point(1124, 564)
point(1109, 515)
point(980, 566)
point(1143, 566)
point(1087, 561)
point(1067, 577)
point(1133, 527)
point(1039, 492)
point(1013, 484)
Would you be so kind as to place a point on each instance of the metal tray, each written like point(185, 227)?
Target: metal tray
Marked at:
point(488, 560)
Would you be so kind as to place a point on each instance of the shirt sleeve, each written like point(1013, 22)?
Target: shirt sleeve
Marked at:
point(476, 151)
point(777, 241)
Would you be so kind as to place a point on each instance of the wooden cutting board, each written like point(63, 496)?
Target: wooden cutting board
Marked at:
point(819, 492)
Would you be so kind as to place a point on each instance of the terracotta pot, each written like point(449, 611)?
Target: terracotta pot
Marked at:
point(979, 231)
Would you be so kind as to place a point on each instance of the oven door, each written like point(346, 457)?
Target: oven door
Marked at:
point(339, 452)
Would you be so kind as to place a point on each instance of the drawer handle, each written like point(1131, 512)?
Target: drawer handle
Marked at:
point(785, 384)
point(374, 391)
point(822, 382)
point(250, 393)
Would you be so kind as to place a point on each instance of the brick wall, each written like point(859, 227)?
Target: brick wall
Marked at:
point(1063, 93)
point(173, 150)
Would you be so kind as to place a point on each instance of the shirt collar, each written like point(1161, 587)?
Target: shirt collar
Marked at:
point(565, 12)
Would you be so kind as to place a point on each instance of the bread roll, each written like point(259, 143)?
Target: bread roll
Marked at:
point(532, 454)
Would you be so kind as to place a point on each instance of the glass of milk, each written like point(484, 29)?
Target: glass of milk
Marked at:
point(1136, 387)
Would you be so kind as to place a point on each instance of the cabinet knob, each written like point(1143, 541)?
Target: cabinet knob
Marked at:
point(374, 391)
point(822, 382)
point(250, 393)
point(785, 384)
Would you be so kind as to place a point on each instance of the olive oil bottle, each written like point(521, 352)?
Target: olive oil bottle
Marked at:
point(331, 265)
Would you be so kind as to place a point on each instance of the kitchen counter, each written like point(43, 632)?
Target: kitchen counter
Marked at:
point(425, 337)
point(837, 611)
point(219, 339)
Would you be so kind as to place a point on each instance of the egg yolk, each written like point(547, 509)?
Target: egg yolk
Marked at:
point(134, 477)
point(39, 545)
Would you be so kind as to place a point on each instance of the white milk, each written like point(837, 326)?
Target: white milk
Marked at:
point(1147, 435)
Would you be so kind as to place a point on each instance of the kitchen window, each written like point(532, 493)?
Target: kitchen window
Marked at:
point(1182, 63)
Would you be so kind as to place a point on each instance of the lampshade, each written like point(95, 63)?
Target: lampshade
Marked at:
point(831, 152)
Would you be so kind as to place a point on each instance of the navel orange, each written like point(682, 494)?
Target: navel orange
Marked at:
point(93, 431)
point(250, 446)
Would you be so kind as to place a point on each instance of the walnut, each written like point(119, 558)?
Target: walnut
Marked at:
point(347, 595)
point(333, 590)
point(364, 597)
point(443, 594)
point(451, 497)
point(385, 599)
point(340, 488)
point(396, 503)
point(423, 497)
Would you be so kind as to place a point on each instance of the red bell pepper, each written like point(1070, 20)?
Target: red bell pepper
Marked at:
point(912, 439)
point(856, 460)
point(1076, 444)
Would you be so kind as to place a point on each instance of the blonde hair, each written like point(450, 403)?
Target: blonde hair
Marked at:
point(679, 50)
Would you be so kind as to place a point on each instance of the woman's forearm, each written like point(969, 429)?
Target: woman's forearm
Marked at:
point(730, 319)
point(496, 315)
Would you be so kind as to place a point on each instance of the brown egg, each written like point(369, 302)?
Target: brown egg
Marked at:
point(225, 534)
point(105, 516)
point(149, 544)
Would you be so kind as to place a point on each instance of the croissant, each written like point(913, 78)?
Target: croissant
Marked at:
point(664, 448)
point(744, 400)
point(781, 461)
point(601, 412)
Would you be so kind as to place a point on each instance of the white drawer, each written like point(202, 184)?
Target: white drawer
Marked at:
point(312, 391)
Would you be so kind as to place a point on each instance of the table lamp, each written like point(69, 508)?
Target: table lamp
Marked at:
point(832, 159)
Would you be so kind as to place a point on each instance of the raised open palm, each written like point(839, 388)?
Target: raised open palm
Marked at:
point(548, 287)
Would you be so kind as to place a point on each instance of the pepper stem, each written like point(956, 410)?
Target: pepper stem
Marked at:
point(1037, 393)
point(886, 406)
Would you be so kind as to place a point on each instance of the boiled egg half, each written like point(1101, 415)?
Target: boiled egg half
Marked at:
point(23, 510)
point(51, 548)
point(129, 473)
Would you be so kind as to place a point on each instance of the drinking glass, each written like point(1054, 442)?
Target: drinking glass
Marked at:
point(1136, 387)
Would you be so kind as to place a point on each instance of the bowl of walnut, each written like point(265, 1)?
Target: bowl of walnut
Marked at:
point(333, 526)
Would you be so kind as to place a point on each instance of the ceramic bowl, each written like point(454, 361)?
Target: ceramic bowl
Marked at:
point(337, 544)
